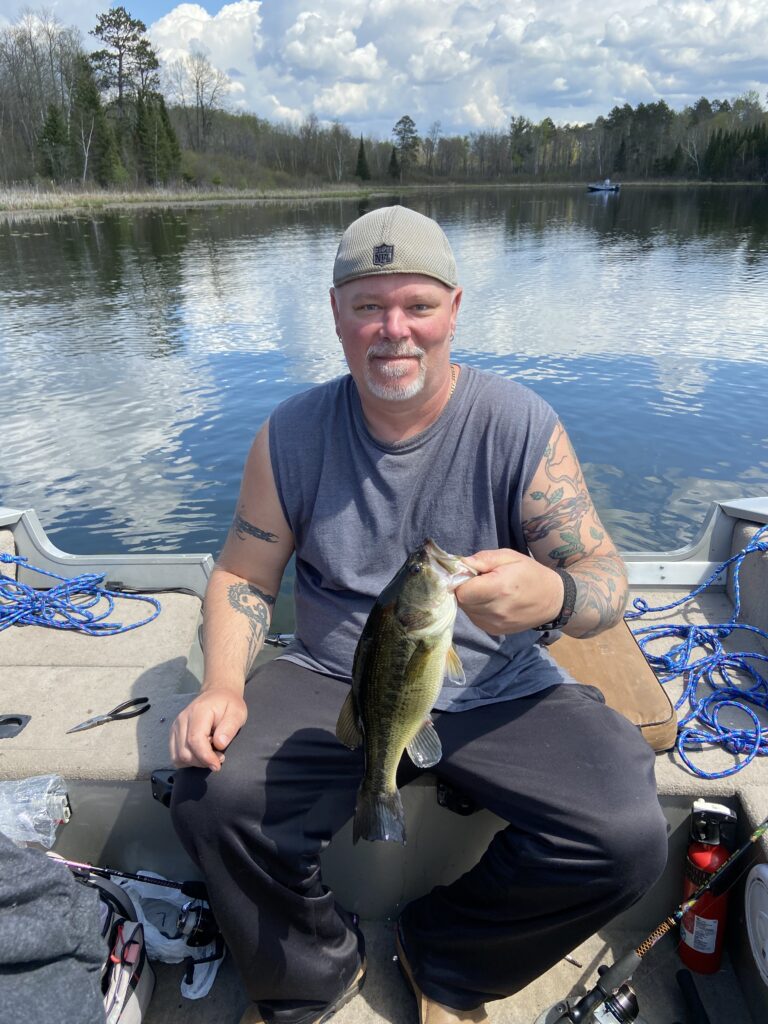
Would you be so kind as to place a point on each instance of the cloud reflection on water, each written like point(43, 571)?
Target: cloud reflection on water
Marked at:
point(142, 351)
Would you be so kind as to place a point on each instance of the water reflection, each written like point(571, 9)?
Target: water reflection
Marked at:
point(141, 350)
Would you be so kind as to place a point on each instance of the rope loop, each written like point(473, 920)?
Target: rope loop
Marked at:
point(712, 666)
point(78, 603)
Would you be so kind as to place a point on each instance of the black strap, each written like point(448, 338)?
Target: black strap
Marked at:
point(569, 602)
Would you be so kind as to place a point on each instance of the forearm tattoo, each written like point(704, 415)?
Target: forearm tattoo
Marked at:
point(569, 523)
point(601, 592)
point(255, 605)
point(242, 529)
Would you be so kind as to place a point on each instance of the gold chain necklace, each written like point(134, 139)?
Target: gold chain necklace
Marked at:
point(453, 382)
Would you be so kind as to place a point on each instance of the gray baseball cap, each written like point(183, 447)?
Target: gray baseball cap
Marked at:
point(394, 240)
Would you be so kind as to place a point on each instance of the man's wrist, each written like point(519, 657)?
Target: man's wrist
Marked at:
point(236, 687)
point(569, 602)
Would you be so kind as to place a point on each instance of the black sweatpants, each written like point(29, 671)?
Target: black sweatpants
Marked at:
point(573, 778)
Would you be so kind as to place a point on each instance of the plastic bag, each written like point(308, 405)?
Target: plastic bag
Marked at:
point(158, 908)
point(32, 809)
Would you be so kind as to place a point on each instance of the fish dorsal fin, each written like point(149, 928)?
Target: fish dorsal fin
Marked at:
point(347, 730)
point(454, 670)
point(425, 749)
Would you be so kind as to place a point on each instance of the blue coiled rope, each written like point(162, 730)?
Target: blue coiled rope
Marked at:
point(67, 605)
point(701, 724)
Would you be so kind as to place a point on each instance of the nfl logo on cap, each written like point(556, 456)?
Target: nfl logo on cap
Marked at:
point(383, 254)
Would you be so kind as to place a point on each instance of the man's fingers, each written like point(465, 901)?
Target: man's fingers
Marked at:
point(205, 729)
point(487, 585)
point(227, 729)
point(193, 740)
point(486, 561)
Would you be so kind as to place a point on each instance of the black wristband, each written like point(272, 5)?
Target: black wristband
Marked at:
point(569, 602)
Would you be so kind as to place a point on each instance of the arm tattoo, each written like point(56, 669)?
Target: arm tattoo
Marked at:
point(255, 605)
point(563, 517)
point(569, 523)
point(601, 592)
point(243, 529)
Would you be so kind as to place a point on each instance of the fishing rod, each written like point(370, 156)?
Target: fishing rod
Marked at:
point(195, 922)
point(195, 890)
point(612, 999)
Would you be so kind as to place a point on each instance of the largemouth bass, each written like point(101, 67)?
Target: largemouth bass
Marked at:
point(404, 653)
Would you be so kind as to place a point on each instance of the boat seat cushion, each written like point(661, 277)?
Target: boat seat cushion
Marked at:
point(60, 678)
point(613, 662)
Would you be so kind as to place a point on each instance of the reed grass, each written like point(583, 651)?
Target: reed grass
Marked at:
point(30, 199)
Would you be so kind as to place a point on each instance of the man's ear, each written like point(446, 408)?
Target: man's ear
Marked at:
point(334, 307)
point(455, 304)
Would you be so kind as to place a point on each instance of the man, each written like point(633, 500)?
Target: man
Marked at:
point(352, 476)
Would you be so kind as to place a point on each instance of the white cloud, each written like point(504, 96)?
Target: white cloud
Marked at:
point(230, 38)
point(342, 99)
point(466, 63)
point(485, 109)
point(279, 112)
point(312, 46)
point(441, 61)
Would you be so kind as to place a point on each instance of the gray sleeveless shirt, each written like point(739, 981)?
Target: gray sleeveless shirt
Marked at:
point(357, 507)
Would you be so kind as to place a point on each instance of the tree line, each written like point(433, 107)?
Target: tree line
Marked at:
point(69, 115)
point(111, 115)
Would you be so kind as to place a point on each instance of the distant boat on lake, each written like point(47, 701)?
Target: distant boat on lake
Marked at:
point(603, 186)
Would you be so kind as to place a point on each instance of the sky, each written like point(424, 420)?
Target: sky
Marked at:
point(468, 64)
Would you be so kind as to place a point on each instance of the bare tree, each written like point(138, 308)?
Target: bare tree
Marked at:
point(691, 150)
point(200, 89)
point(37, 70)
point(429, 145)
point(341, 141)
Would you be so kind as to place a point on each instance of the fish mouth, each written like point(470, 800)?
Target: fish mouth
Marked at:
point(450, 566)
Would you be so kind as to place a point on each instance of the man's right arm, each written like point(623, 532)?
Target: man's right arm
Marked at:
point(237, 611)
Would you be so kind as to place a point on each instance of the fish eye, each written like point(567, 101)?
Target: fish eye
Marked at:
point(415, 568)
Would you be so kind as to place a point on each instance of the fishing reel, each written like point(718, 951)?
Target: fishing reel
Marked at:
point(596, 1007)
point(622, 1006)
point(196, 924)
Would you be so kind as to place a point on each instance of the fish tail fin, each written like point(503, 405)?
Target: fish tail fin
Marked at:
point(379, 816)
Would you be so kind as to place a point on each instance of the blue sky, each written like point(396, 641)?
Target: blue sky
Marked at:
point(153, 10)
point(468, 64)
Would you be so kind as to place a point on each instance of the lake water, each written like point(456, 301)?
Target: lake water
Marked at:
point(140, 351)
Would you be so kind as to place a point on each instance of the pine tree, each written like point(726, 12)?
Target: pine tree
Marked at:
point(408, 143)
point(714, 157)
point(53, 144)
point(394, 167)
point(108, 168)
point(125, 42)
point(127, 68)
point(157, 147)
point(620, 160)
point(174, 149)
point(361, 170)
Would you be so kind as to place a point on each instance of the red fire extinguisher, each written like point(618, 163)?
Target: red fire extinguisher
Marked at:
point(702, 928)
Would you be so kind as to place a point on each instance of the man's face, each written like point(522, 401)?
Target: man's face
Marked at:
point(395, 329)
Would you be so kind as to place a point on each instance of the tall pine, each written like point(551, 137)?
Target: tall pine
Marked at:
point(52, 145)
point(394, 165)
point(361, 170)
point(157, 147)
point(92, 143)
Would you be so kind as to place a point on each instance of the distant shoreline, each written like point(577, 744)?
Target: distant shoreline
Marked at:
point(17, 200)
